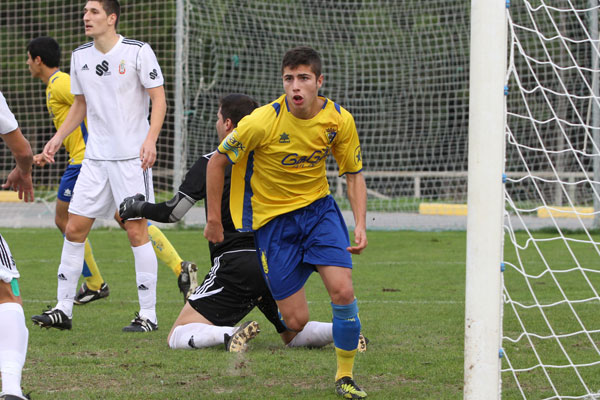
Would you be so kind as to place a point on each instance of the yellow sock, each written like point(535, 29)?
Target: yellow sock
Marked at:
point(345, 362)
point(94, 281)
point(164, 249)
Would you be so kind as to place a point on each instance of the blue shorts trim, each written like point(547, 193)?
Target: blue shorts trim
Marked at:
point(67, 182)
point(291, 245)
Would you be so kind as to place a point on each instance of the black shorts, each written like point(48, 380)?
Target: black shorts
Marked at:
point(232, 288)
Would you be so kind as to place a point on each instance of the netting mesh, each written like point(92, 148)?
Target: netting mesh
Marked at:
point(551, 330)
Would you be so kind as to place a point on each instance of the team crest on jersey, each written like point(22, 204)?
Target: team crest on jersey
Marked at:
point(357, 155)
point(102, 69)
point(331, 134)
point(122, 67)
point(284, 138)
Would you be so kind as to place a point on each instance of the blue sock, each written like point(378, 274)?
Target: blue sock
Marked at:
point(346, 326)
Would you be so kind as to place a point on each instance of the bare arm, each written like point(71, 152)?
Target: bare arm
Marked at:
point(159, 109)
point(19, 178)
point(357, 195)
point(74, 118)
point(215, 177)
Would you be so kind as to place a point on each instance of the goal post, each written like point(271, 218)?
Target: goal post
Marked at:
point(485, 200)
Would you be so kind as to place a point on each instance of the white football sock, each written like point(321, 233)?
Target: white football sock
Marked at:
point(71, 265)
point(314, 334)
point(146, 269)
point(13, 347)
point(201, 335)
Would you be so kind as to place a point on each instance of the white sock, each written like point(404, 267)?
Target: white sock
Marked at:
point(71, 265)
point(314, 334)
point(146, 269)
point(201, 335)
point(13, 347)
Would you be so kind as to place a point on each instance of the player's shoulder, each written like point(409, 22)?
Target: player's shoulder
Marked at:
point(336, 111)
point(59, 78)
point(83, 47)
point(133, 42)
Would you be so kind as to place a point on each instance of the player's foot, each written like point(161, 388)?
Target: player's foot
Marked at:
point(362, 343)
point(14, 397)
point(86, 295)
point(53, 318)
point(346, 388)
point(140, 324)
point(238, 342)
point(187, 279)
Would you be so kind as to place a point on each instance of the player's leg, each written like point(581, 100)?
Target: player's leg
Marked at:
point(94, 287)
point(191, 330)
point(13, 345)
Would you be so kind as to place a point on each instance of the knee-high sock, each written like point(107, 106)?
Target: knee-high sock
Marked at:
point(198, 335)
point(314, 334)
point(13, 347)
point(164, 249)
point(93, 278)
point(71, 264)
point(346, 330)
point(146, 268)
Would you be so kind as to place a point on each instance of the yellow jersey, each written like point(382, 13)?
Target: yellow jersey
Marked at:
point(279, 160)
point(58, 101)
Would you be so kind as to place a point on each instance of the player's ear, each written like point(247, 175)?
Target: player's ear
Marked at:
point(228, 124)
point(112, 19)
point(320, 81)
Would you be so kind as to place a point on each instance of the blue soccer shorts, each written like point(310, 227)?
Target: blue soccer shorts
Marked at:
point(292, 244)
point(67, 182)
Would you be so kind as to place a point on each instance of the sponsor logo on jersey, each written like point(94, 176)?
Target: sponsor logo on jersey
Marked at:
point(102, 69)
point(122, 67)
point(85, 68)
point(153, 74)
point(331, 134)
point(295, 160)
point(284, 138)
point(357, 155)
point(232, 144)
point(68, 193)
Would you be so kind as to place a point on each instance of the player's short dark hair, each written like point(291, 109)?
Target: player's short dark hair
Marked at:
point(236, 106)
point(302, 55)
point(111, 7)
point(47, 49)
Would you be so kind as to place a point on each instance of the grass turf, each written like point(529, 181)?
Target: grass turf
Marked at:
point(410, 288)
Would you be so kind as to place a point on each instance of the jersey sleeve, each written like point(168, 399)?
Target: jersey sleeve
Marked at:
point(246, 137)
point(75, 87)
point(148, 68)
point(8, 122)
point(346, 149)
point(194, 183)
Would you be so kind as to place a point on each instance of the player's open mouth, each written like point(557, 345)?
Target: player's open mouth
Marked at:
point(297, 99)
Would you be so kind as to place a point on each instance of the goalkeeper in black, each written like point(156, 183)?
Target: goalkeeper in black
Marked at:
point(234, 284)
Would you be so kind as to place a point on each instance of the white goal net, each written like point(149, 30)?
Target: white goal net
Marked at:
point(551, 324)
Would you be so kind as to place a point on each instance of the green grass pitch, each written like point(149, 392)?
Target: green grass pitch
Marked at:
point(410, 288)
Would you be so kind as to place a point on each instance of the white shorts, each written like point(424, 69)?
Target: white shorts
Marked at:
point(102, 186)
point(8, 267)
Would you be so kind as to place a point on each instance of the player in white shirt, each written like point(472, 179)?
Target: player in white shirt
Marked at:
point(113, 80)
point(13, 344)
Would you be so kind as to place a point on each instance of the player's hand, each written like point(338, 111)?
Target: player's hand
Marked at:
point(131, 207)
point(20, 182)
point(360, 238)
point(148, 154)
point(213, 232)
point(39, 160)
point(51, 148)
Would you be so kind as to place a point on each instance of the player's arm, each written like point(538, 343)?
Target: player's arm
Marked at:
point(19, 179)
point(74, 118)
point(159, 109)
point(215, 178)
point(169, 211)
point(357, 195)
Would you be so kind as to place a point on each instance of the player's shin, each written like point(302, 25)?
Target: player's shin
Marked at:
point(71, 264)
point(13, 346)
point(146, 268)
point(164, 249)
point(346, 330)
point(198, 335)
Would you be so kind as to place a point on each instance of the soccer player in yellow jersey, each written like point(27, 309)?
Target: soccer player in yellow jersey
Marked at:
point(279, 190)
point(43, 59)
